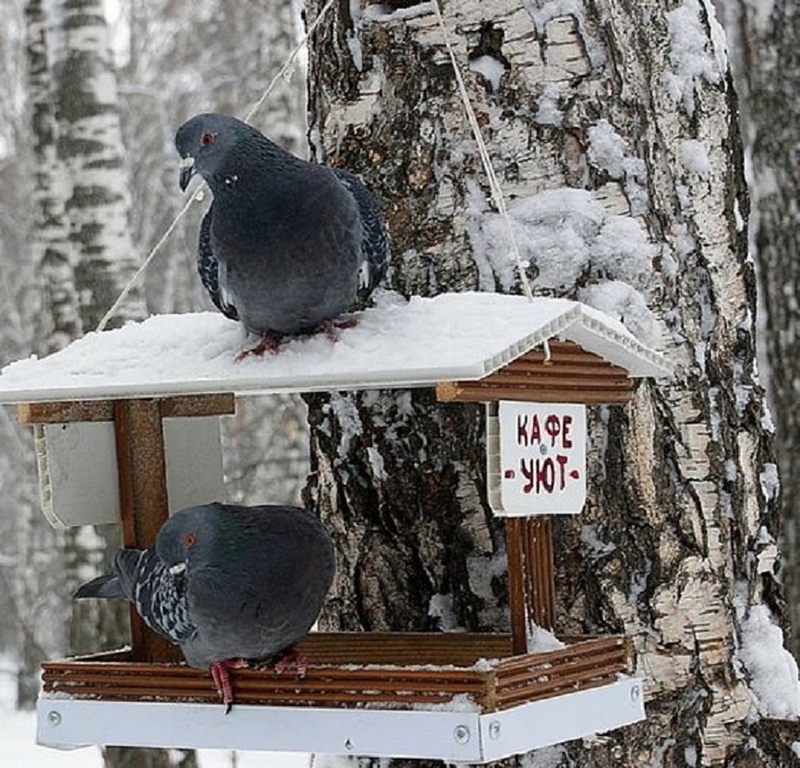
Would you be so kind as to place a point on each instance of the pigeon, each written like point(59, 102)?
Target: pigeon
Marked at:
point(286, 246)
point(229, 584)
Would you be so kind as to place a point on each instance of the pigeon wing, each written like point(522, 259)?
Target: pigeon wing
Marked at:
point(208, 267)
point(374, 238)
point(159, 595)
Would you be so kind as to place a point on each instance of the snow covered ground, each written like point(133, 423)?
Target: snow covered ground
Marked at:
point(18, 743)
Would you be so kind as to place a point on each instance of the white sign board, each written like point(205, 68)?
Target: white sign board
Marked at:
point(542, 465)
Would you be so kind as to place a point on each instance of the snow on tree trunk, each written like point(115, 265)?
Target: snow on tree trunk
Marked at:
point(765, 39)
point(90, 145)
point(612, 129)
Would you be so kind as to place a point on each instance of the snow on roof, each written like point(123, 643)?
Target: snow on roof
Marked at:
point(454, 336)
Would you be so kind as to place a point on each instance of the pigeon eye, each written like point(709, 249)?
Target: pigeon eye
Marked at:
point(207, 138)
point(189, 539)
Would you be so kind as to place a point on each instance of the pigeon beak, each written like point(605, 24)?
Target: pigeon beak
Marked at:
point(187, 171)
point(178, 569)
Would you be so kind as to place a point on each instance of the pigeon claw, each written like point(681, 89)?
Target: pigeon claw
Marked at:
point(333, 327)
point(270, 341)
point(220, 674)
point(292, 658)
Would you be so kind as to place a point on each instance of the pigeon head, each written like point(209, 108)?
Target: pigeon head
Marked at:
point(204, 141)
point(188, 536)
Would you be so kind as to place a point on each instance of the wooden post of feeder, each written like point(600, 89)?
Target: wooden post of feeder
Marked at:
point(144, 506)
point(141, 464)
point(531, 577)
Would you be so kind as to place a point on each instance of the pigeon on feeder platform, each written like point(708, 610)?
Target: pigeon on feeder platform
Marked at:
point(228, 584)
point(286, 246)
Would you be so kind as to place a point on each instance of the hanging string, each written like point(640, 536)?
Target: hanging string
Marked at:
point(290, 60)
point(494, 185)
point(196, 193)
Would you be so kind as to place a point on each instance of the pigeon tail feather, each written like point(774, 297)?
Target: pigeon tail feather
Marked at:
point(106, 586)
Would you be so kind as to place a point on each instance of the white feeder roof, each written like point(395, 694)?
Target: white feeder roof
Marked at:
point(454, 336)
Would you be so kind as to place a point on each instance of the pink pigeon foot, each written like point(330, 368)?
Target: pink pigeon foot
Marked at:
point(270, 341)
point(292, 658)
point(332, 327)
point(222, 680)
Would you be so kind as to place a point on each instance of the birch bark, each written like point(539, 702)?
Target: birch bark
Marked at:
point(52, 251)
point(627, 107)
point(90, 145)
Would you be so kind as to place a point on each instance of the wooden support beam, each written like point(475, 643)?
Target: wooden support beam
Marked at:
point(143, 501)
point(486, 390)
point(531, 576)
point(540, 573)
point(103, 410)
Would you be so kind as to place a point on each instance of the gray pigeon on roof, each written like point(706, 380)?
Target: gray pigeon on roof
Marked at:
point(228, 584)
point(286, 246)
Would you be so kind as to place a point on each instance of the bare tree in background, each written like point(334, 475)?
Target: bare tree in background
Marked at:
point(90, 146)
point(628, 107)
point(39, 550)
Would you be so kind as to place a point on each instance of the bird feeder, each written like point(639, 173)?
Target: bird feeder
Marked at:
point(142, 403)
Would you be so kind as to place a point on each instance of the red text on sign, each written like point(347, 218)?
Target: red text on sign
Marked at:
point(552, 430)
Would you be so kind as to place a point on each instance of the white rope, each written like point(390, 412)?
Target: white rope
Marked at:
point(157, 247)
point(494, 185)
point(145, 264)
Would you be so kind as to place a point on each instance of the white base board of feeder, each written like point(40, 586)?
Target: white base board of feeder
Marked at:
point(456, 736)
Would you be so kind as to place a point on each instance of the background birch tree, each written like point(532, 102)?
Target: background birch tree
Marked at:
point(27, 595)
point(599, 117)
point(88, 211)
point(83, 250)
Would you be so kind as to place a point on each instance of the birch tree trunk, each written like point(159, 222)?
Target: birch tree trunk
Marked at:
point(60, 321)
point(90, 145)
point(765, 39)
point(599, 117)
point(39, 548)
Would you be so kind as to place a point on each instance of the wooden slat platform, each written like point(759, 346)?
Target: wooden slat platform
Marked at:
point(394, 670)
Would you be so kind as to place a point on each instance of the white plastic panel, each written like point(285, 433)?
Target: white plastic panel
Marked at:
point(79, 480)
point(78, 476)
point(194, 460)
point(444, 735)
point(65, 723)
point(562, 718)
